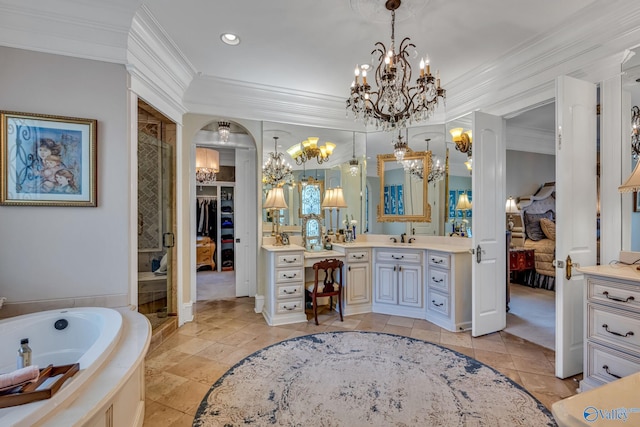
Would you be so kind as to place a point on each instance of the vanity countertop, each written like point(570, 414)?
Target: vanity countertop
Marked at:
point(434, 246)
point(608, 405)
point(614, 271)
point(282, 248)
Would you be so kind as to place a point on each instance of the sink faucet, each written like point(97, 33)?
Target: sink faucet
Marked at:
point(412, 239)
point(402, 237)
point(393, 239)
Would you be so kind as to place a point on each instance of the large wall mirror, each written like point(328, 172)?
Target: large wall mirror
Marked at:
point(630, 98)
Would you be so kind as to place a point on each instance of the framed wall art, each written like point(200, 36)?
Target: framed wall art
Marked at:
point(47, 160)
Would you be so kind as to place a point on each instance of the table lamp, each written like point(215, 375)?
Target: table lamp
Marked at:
point(275, 201)
point(511, 209)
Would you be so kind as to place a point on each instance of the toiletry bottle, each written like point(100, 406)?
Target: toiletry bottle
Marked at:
point(24, 354)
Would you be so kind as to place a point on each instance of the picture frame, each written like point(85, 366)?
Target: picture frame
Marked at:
point(47, 160)
point(636, 202)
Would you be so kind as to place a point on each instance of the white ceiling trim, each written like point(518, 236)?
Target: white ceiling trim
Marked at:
point(531, 140)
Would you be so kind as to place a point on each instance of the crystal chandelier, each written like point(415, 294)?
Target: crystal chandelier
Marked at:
point(635, 133)
point(308, 149)
point(437, 170)
point(353, 163)
point(224, 129)
point(275, 169)
point(207, 165)
point(394, 104)
point(400, 148)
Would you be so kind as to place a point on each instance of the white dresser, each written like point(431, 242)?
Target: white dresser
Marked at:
point(284, 272)
point(612, 324)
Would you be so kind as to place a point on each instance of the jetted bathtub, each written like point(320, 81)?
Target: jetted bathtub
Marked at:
point(109, 345)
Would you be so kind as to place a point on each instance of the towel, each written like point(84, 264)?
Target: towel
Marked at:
point(20, 376)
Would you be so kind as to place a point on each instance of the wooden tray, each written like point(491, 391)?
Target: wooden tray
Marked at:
point(28, 393)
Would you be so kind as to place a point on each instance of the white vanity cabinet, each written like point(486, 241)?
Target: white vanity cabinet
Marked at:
point(448, 299)
point(284, 300)
point(398, 282)
point(357, 290)
point(612, 325)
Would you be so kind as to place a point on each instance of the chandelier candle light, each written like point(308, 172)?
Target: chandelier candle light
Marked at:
point(394, 104)
point(275, 169)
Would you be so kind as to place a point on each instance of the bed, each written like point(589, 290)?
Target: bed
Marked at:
point(534, 228)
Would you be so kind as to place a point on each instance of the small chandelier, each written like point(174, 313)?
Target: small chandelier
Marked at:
point(400, 148)
point(437, 170)
point(224, 129)
point(462, 139)
point(353, 163)
point(275, 170)
point(207, 165)
point(308, 149)
point(395, 103)
point(635, 133)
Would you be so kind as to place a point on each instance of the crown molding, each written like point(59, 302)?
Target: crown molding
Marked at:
point(530, 140)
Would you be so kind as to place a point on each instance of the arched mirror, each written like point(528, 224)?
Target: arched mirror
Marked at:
point(311, 191)
point(312, 232)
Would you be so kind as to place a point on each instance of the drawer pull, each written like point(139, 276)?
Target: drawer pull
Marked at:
point(290, 261)
point(290, 308)
point(606, 369)
point(628, 334)
point(289, 292)
point(289, 277)
point(436, 261)
point(436, 304)
point(433, 279)
point(606, 294)
point(358, 256)
point(395, 257)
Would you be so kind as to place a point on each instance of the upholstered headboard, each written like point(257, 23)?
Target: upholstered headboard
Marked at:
point(542, 201)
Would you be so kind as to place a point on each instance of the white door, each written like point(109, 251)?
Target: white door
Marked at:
point(488, 288)
point(246, 220)
point(575, 214)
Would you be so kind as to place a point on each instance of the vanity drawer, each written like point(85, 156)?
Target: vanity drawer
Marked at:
point(289, 275)
point(606, 364)
point(293, 306)
point(289, 291)
point(439, 279)
point(614, 294)
point(413, 256)
point(358, 256)
point(288, 260)
point(617, 327)
point(439, 259)
point(438, 303)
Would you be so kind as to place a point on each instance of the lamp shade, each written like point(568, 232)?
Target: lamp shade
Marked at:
point(275, 199)
point(339, 198)
point(510, 206)
point(207, 158)
point(463, 202)
point(633, 182)
point(328, 200)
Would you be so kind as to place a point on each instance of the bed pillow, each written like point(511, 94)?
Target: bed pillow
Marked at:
point(548, 228)
point(532, 224)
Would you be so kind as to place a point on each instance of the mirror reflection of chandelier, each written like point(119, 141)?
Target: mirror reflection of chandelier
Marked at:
point(276, 169)
point(635, 133)
point(309, 149)
point(394, 104)
point(400, 148)
point(207, 165)
point(354, 167)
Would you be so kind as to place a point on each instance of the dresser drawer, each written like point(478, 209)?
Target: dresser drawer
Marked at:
point(439, 279)
point(289, 275)
point(439, 259)
point(438, 303)
point(606, 364)
point(396, 256)
point(293, 306)
point(288, 260)
point(358, 256)
point(289, 291)
point(618, 327)
point(614, 294)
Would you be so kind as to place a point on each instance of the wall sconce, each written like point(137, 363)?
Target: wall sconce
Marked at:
point(224, 130)
point(207, 165)
point(308, 149)
point(463, 140)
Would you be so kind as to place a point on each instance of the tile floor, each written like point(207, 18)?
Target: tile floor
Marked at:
point(183, 367)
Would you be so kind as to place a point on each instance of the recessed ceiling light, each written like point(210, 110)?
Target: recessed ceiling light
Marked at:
point(230, 39)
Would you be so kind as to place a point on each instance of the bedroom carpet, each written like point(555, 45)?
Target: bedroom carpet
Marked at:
point(366, 378)
point(532, 315)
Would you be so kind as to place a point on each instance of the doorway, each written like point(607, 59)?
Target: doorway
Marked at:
point(156, 217)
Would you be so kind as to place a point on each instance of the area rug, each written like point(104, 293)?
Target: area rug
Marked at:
point(366, 379)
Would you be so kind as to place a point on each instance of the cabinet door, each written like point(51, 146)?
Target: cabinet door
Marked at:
point(410, 286)
point(357, 286)
point(386, 284)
